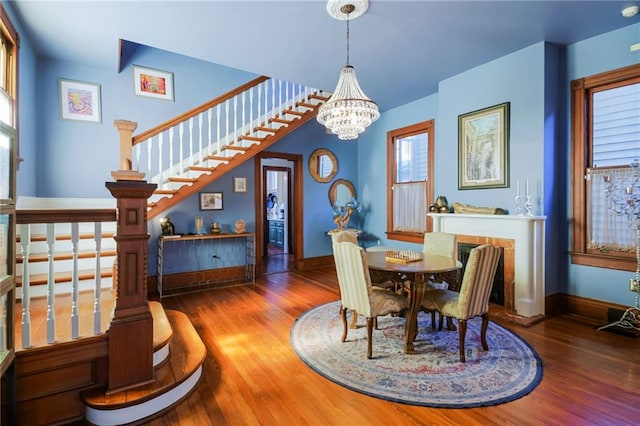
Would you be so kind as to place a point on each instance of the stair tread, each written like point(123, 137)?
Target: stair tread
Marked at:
point(83, 254)
point(61, 277)
point(162, 331)
point(187, 354)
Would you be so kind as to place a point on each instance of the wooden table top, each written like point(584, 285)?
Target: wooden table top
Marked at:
point(430, 263)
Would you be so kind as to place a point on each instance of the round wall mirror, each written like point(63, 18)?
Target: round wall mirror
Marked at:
point(323, 165)
point(341, 191)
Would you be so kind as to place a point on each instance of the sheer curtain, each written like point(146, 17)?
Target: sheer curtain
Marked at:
point(608, 230)
point(410, 207)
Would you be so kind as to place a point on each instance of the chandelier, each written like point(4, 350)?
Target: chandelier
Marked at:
point(348, 111)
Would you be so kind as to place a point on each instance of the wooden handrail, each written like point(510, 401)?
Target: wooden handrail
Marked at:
point(195, 111)
point(65, 215)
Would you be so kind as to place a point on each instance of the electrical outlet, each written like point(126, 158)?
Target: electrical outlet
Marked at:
point(634, 285)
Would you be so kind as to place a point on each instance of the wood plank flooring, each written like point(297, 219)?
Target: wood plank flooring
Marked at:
point(252, 376)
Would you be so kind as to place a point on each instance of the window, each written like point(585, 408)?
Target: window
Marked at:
point(605, 141)
point(409, 181)
point(8, 161)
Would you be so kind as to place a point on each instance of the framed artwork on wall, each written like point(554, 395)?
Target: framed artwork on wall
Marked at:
point(211, 201)
point(239, 184)
point(483, 148)
point(153, 83)
point(79, 101)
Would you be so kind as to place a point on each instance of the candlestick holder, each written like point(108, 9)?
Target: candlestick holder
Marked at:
point(528, 206)
point(518, 210)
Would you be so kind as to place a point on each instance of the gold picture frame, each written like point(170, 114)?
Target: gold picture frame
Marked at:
point(483, 148)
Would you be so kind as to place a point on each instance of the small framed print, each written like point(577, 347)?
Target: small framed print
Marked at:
point(80, 101)
point(239, 184)
point(211, 201)
point(153, 83)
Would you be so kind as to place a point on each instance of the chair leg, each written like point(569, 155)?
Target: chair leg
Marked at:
point(433, 320)
point(483, 331)
point(375, 323)
point(343, 315)
point(369, 337)
point(440, 318)
point(354, 321)
point(462, 332)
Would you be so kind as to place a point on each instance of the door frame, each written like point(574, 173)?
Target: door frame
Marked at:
point(296, 238)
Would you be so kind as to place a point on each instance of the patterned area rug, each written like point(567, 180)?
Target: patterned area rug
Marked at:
point(434, 377)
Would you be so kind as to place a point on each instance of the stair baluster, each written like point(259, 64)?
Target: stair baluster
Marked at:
point(25, 243)
point(75, 282)
point(51, 282)
point(97, 284)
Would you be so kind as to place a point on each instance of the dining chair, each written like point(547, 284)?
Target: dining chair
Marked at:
point(473, 298)
point(358, 294)
point(442, 244)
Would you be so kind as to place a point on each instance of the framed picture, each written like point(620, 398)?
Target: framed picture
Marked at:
point(80, 101)
point(211, 201)
point(239, 184)
point(483, 148)
point(153, 83)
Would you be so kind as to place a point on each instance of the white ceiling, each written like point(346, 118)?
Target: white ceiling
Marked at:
point(400, 49)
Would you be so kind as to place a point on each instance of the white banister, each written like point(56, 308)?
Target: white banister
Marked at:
point(171, 163)
point(218, 129)
point(160, 152)
point(192, 159)
point(181, 160)
point(25, 242)
point(75, 282)
point(51, 283)
point(235, 119)
point(97, 284)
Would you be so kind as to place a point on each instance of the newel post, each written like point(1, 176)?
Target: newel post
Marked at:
point(131, 331)
point(125, 130)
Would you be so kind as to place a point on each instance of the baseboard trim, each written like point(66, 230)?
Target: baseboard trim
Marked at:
point(597, 310)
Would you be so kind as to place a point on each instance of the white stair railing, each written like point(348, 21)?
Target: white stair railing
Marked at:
point(56, 249)
point(212, 128)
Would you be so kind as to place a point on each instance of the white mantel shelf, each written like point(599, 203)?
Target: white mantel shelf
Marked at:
point(528, 234)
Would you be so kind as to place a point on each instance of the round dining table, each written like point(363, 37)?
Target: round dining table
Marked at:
point(417, 272)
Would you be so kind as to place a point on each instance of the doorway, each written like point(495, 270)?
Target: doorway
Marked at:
point(278, 211)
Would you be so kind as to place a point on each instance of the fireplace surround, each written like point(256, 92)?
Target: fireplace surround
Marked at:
point(522, 238)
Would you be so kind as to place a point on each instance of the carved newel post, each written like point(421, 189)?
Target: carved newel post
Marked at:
point(125, 132)
point(131, 331)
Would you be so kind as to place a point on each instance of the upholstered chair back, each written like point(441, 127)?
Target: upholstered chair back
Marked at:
point(440, 243)
point(477, 281)
point(339, 236)
point(353, 277)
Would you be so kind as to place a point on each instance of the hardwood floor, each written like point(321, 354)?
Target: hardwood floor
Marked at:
point(252, 376)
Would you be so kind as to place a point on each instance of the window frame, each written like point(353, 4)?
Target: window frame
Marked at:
point(392, 135)
point(581, 159)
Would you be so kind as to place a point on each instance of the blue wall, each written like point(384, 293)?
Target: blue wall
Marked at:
point(593, 56)
point(74, 159)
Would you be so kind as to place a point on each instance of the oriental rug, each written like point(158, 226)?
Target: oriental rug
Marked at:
point(434, 377)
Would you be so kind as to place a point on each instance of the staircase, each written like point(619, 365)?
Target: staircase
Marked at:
point(178, 357)
point(181, 156)
point(184, 155)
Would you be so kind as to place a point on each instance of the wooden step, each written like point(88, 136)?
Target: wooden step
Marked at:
point(181, 179)
point(65, 277)
point(38, 238)
point(201, 169)
point(251, 138)
point(280, 120)
point(236, 148)
point(162, 333)
point(218, 158)
point(319, 97)
point(292, 112)
point(165, 192)
point(175, 380)
point(84, 254)
point(266, 129)
point(306, 105)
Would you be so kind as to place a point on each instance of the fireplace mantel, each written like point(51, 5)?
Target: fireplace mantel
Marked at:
point(528, 235)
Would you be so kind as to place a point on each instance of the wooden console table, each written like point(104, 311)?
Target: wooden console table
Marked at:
point(201, 262)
